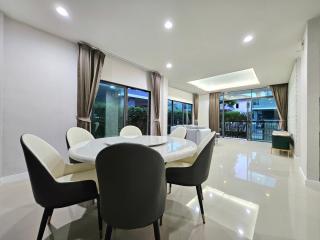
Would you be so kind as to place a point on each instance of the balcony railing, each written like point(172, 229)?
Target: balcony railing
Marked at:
point(251, 130)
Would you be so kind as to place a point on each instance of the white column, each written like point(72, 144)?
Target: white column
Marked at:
point(313, 89)
point(2, 78)
point(164, 106)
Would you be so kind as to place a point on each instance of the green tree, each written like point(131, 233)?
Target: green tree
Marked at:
point(138, 116)
point(234, 116)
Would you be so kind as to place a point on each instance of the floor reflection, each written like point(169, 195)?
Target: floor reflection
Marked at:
point(233, 213)
point(244, 170)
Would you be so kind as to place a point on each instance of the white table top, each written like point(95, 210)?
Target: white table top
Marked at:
point(170, 148)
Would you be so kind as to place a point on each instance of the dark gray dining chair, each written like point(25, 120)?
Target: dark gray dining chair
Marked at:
point(193, 171)
point(54, 183)
point(132, 187)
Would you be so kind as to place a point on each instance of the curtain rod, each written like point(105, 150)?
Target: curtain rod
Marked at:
point(110, 54)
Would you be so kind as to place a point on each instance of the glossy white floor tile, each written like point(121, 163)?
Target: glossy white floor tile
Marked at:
point(250, 194)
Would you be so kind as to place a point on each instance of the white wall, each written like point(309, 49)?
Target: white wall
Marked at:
point(38, 89)
point(179, 95)
point(305, 84)
point(302, 84)
point(294, 101)
point(1, 89)
point(40, 83)
point(121, 72)
point(292, 111)
point(164, 106)
point(203, 118)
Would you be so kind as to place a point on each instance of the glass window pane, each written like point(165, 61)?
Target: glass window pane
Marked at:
point(264, 109)
point(177, 113)
point(138, 109)
point(262, 92)
point(235, 118)
point(108, 111)
point(169, 115)
point(237, 95)
point(221, 114)
point(253, 118)
point(187, 113)
point(265, 118)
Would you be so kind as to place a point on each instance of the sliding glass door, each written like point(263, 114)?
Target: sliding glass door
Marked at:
point(250, 114)
point(117, 106)
point(236, 113)
point(139, 109)
point(179, 113)
point(187, 114)
point(107, 118)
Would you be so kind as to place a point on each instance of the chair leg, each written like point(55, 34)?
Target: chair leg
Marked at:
point(46, 213)
point(170, 186)
point(201, 192)
point(99, 217)
point(108, 233)
point(200, 203)
point(50, 216)
point(161, 220)
point(156, 230)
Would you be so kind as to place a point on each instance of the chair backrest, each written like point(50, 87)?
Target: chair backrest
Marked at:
point(199, 171)
point(179, 132)
point(130, 131)
point(132, 185)
point(44, 165)
point(76, 135)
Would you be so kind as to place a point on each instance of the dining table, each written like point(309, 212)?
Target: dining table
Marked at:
point(170, 148)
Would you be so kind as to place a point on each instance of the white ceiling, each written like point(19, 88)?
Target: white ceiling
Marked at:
point(244, 78)
point(206, 39)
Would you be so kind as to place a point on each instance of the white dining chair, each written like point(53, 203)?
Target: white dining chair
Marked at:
point(77, 135)
point(179, 132)
point(130, 131)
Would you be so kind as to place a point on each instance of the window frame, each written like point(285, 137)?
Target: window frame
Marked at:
point(125, 110)
point(250, 99)
point(172, 119)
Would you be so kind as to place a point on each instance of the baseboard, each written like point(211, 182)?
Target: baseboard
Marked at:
point(14, 178)
point(315, 185)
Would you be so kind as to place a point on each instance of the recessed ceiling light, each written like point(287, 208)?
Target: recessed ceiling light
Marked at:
point(62, 11)
point(248, 38)
point(169, 65)
point(168, 24)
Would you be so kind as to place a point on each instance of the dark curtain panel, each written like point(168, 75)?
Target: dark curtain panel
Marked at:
point(280, 93)
point(214, 111)
point(195, 107)
point(90, 63)
point(156, 84)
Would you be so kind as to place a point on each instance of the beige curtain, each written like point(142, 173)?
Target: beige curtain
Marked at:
point(280, 93)
point(214, 111)
point(195, 107)
point(156, 85)
point(90, 63)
